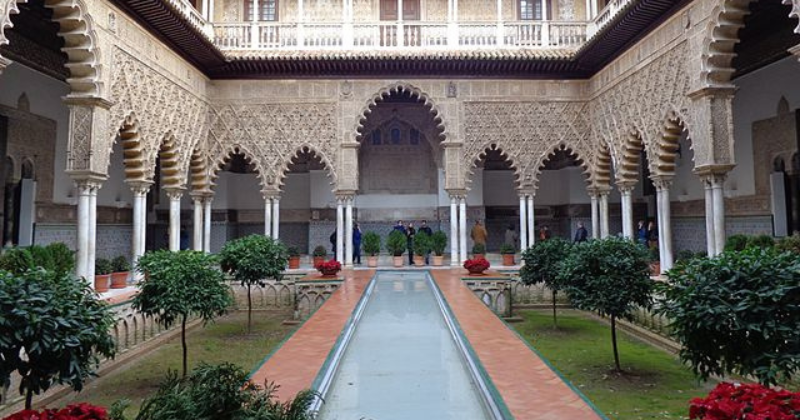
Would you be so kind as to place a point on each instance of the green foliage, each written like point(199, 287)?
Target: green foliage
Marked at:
point(396, 243)
point(737, 313)
point(790, 243)
point(422, 244)
point(103, 266)
point(181, 284)
point(320, 251)
point(120, 264)
point(371, 242)
point(736, 243)
point(761, 241)
point(687, 255)
point(17, 260)
point(62, 258)
point(58, 324)
point(653, 254)
point(253, 259)
point(215, 392)
point(438, 243)
point(543, 263)
point(610, 276)
point(293, 251)
point(508, 249)
point(478, 249)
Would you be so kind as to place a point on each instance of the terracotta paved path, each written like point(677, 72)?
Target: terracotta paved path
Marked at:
point(530, 389)
point(295, 365)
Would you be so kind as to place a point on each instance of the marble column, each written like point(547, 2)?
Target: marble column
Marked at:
point(174, 218)
point(339, 229)
point(462, 228)
point(523, 223)
point(531, 222)
point(595, 209)
point(711, 240)
point(626, 192)
point(603, 204)
point(718, 192)
point(81, 267)
point(665, 221)
point(92, 230)
point(207, 223)
point(276, 217)
point(197, 222)
point(268, 217)
point(454, 231)
point(139, 222)
point(348, 230)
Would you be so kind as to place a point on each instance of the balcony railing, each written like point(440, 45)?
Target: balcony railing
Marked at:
point(408, 34)
point(608, 13)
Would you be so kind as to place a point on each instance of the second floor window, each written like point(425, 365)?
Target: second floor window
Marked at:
point(267, 10)
point(530, 9)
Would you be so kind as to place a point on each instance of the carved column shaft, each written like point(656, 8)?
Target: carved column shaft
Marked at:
point(174, 218)
point(348, 229)
point(207, 223)
point(664, 222)
point(453, 230)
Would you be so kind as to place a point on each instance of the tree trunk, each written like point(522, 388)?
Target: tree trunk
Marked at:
point(614, 343)
point(183, 344)
point(28, 399)
point(555, 323)
point(249, 311)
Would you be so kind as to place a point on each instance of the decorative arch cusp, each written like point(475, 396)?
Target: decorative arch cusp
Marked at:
point(298, 151)
point(481, 156)
point(400, 87)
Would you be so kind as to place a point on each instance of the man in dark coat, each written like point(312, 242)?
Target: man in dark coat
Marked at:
point(581, 235)
point(425, 229)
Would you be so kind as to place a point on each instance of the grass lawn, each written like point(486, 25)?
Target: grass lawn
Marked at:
point(226, 340)
point(654, 385)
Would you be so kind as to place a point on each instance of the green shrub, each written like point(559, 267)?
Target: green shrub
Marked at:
point(17, 260)
point(422, 244)
point(438, 243)
point(120, 264)
point(397, 243)
point(761, 241)
point(102, 266)
point(737, 313)
point(544, 263)
point(371, 242)
point(508, 249)
point(736, 242)
point(790, 243)
point(478, 249)
point(684, 255)
point(320, 251)
point(63, 258)
point(41, 257)
point(293, 251)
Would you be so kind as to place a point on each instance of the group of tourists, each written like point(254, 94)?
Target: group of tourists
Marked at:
point(356, 243)
point(647, 234)
point(409, 231)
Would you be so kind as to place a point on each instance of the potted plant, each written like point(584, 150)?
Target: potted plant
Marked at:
point(421, 248)
point(479, 251)
point(396, 245)
point(120, 271)
point(476, 266)
point(319, 254)
point(294, 258)
point(438, 245)
point(102, 274)
point(508, 251)
point(371, 242)
point(329, 268)
point(655, 262)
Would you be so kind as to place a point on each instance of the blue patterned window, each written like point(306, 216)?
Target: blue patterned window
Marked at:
point(376, 137)
point(395, 136)
point(414, 136)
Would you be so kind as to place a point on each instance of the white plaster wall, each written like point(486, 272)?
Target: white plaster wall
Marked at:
point(686, 185)
point(321, 190)
point(114, 191)
point(757, 99)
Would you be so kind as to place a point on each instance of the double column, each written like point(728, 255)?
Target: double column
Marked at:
point(140, 190)
point(344, 229)
point(666, 257)
point(527, 235)
point(599, 208)
point(714, 182)
point(458, 228)
point(202, 221)
point(174, 195)
point(626, 198)
point(272, 215)
point(87, 225)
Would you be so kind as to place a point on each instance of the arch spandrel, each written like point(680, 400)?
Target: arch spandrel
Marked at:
point(306, 148)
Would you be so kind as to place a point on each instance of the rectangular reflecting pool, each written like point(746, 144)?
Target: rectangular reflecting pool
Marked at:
point(400, 359)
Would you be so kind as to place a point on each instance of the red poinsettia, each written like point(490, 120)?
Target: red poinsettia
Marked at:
point(477, 265)
point(82, 411)
point(746, 402)
point(329, 268)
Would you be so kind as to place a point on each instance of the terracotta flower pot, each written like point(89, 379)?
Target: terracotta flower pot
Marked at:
point(508, 259)
point(372, 261)
point(476, 272)
point(294, 262)
point(655, 269)
point(398, 261)
point(329, 273)
point(419, 260)
point(119, 280)
point(101, 282)
point(318, 260)
point(438, 260)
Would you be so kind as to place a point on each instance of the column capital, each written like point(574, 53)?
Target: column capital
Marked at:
point(707, 91)
point(626, 187)
point(87, 179)
point(597, 191)
point(174, 193)
point(713, 170)
point(457, 193)
point(271, 194)
point(140, 187)
point(662, 182)
point(525, 193)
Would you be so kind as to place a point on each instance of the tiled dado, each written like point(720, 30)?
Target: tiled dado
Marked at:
point(112, 240)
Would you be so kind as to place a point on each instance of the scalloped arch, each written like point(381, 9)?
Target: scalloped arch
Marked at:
point(493, 146)
point(133, 156)
point(663, 153)
point(582, 156)
point(306, 148)
point(217, 162)
point(397, 87)
point(81, 43)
